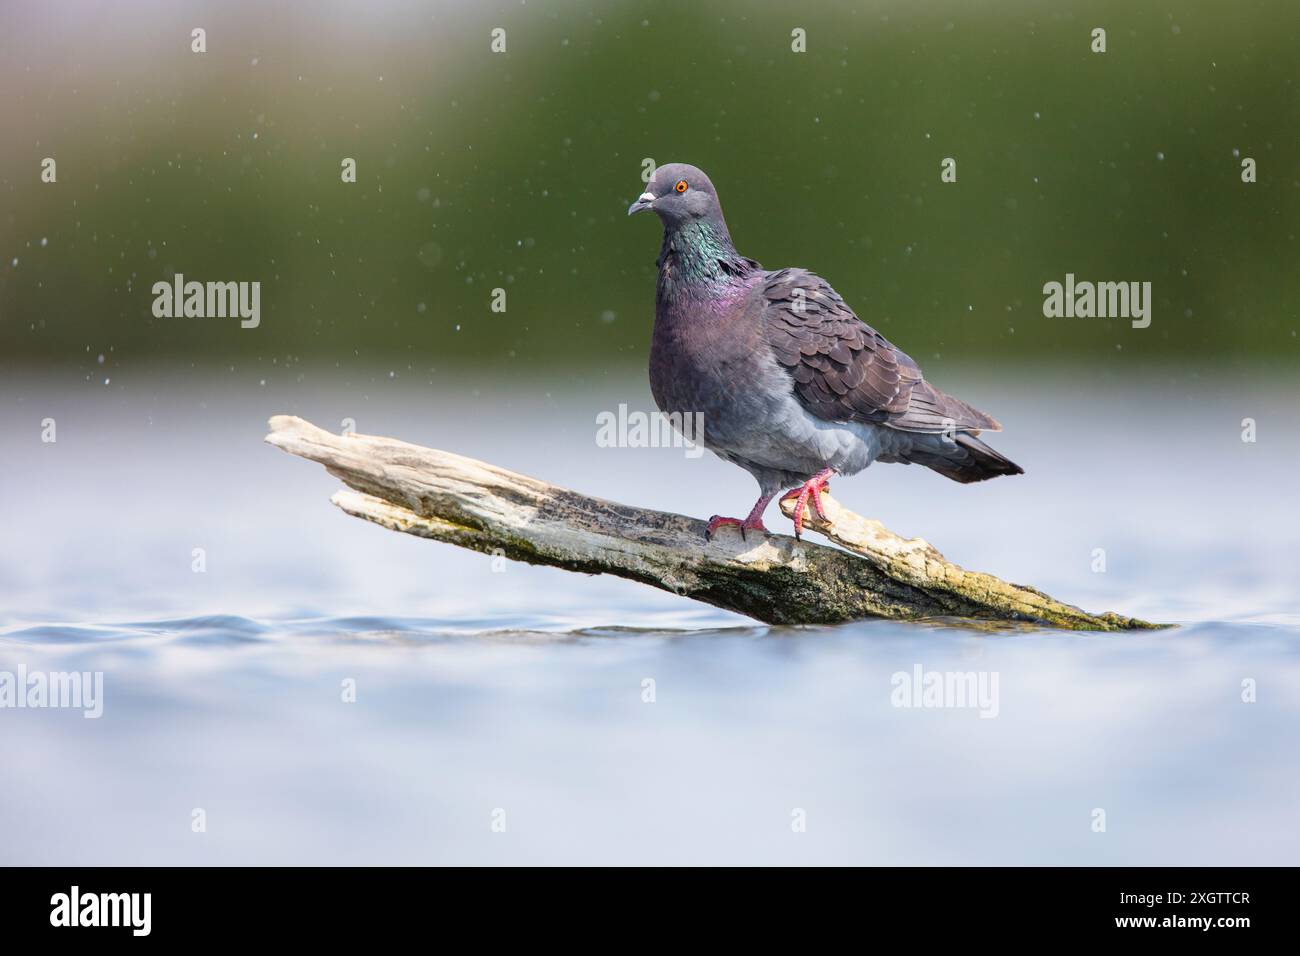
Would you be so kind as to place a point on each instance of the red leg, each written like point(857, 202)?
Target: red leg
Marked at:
point(752, 522)
point(812, 488)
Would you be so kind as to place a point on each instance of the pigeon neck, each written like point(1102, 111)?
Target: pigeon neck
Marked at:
point(700, 251)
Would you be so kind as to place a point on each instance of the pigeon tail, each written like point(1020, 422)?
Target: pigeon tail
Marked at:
point(966, 459)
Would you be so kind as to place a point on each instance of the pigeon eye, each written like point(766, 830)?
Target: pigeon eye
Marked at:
point(681, 186)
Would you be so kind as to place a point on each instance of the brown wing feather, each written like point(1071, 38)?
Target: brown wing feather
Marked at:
point(844, 370)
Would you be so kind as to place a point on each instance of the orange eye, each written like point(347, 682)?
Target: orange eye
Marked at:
point(681, 186)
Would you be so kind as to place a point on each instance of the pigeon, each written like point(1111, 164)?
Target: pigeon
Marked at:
point(787, 382)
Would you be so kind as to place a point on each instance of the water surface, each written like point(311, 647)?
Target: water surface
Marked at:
point(519, 695)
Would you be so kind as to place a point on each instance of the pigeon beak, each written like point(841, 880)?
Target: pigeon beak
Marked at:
point(643, 201)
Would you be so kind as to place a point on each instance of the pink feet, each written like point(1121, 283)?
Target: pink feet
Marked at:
point(744, 524)
point(752, 522)
point(812, 488)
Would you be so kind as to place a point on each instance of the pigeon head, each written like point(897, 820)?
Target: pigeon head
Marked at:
point(679, 193)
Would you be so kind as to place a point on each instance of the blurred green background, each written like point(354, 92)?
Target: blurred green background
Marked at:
point(480, 170)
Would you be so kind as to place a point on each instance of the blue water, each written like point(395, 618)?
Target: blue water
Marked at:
point(516, 696)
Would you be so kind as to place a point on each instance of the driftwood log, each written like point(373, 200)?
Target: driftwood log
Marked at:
point(774, 578)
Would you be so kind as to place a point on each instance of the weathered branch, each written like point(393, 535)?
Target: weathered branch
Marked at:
point(438, 495)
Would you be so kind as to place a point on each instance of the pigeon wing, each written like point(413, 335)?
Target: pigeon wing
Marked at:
point(844, 370)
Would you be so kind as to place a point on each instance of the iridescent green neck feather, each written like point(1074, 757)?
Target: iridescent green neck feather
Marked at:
point(698, 259)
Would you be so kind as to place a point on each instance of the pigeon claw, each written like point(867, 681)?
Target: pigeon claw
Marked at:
point(744, 524)
point(812, 488)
